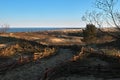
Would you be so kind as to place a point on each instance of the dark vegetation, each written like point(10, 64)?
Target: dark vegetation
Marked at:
point(90, 33)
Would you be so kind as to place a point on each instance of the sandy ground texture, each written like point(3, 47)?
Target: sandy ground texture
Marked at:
point(33, 70)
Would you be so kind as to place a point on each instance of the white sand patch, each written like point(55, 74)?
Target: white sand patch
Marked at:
point(2, 45)
point(63, 40)
point(57, 40)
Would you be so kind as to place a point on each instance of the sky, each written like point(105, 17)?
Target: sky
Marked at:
point(44, 13)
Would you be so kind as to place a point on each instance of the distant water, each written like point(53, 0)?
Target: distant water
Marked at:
point(31, 29)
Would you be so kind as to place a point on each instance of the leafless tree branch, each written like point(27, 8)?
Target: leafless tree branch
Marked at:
point(4, 28)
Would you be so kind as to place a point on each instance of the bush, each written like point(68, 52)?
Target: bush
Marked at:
point(90, 33)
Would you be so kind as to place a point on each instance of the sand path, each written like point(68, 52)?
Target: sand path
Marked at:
point(32, 71)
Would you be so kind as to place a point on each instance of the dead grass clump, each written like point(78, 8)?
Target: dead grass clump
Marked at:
point(20, 46)
point(9, 50)
point(111, 52)
point(47, 52)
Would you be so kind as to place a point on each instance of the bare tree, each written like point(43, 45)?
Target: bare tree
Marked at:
point(93, 17)
point(108, 8)
point(106, 14)
point(111, 15)
point(4, 28)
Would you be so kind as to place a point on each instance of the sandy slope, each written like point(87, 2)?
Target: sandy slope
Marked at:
point(33, 71)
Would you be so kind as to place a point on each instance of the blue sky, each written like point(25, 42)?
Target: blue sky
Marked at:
point(43, 13)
